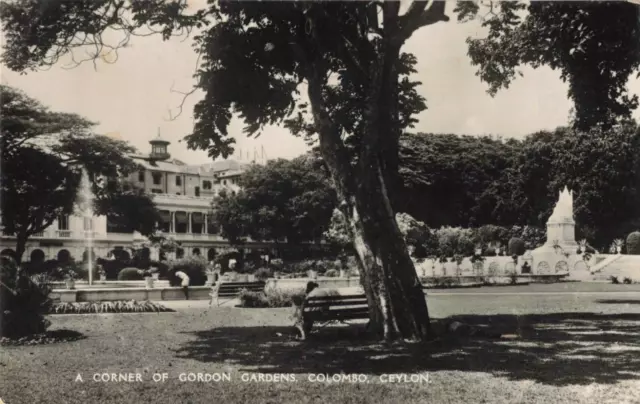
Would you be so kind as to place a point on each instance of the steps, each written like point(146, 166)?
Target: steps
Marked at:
point(620, 266)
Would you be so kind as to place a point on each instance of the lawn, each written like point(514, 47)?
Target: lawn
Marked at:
point(579, 348)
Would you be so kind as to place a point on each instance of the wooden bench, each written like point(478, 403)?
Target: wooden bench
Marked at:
point(331, 308)
point(231, 290)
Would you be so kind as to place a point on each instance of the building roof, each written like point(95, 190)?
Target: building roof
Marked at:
point(223, 165)
point(177, 166)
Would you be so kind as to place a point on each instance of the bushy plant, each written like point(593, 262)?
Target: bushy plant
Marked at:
point(118, 306)
point(252, 299)
point(627, 281)
point(194, 267)
point(130, 274)
point(273, 298)
point(533, 237)
point(455, 240)
point(332, 273)
point(24, 301)
point(263, 273)
point(633, 243)
point(516, 246)
point(614, 279)
point(490, 234)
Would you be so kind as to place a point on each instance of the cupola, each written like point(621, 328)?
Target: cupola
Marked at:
point(159, 148)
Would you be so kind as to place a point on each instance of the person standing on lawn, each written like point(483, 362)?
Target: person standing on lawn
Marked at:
point(184, 283)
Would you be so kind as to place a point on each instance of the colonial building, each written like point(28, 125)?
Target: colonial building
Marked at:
point(183, 194)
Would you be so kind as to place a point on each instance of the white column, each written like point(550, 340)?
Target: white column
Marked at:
point(173, 222)
point(189, 229)
point(205, 227)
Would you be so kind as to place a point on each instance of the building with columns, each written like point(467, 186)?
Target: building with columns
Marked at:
point(183, 194)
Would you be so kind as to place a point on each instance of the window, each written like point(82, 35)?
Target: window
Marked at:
point(156, 191)
point(224, 182)
point(157, 178)
point(88, 224)
point(141, 176)
point(206, 184)
point(157, 149)
point(178, 180)
point(197, 191)
point(63, 222)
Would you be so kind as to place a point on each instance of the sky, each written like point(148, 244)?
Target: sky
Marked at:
point(133, 97)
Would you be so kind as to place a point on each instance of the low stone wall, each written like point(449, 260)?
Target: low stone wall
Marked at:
point(297, 284)
point(129, 293)
point(112, 284)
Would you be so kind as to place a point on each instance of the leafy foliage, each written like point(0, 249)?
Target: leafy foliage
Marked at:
point(130, 274)
point(273, 298)
point(43, 153)
point(516, 246)
point(23, 301)
point(633, 243)
point(283, 199)
point(195, 268)
point(114, 306)
point(594, 56)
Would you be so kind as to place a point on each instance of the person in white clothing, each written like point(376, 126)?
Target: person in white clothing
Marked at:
point(185, 283)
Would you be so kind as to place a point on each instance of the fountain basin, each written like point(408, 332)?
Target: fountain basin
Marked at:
point(89, 294)
point(111, 284)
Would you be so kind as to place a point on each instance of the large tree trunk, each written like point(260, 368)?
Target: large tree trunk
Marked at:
point(397, 302)
point(399, 308)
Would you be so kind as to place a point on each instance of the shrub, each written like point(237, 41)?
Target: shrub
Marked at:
point(273, 298)
point(252, 299)
point(332, 273)
point(276, 264)
point(614, 279)
point(633, 243)
point(194, 267)
point(23, 301)
point(130, 274)
point(516, 246)
point(627, 281)
point(263, 273)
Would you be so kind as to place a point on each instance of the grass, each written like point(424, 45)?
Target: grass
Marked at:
point(579, 348)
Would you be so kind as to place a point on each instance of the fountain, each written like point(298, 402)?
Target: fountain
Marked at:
point(84, 208)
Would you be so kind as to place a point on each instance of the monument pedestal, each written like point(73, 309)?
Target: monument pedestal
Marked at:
point(559, 252)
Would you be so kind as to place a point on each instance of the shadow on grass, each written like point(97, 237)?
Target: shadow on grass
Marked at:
point(554, 349)
point(618, 301)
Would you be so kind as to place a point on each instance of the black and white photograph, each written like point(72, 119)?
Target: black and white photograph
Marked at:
point(319, 201)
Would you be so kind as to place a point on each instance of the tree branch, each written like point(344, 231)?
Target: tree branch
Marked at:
point(420, 14)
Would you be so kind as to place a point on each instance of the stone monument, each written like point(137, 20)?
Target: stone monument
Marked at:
point(559, 252)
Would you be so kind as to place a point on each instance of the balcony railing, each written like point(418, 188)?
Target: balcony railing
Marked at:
point(38, 234)
point(63, 233)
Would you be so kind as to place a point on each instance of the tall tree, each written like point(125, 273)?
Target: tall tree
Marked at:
point(580, 39)
point(255, 56)
point(283, 199)
point(43, 153)
point(445, 177)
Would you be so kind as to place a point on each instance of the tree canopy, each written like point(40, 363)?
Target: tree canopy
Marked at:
point(580, 39)
point(283, 199)
point(43, 153)
point(256, 58)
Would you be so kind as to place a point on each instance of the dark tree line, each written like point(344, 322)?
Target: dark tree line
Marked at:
point(473, 181)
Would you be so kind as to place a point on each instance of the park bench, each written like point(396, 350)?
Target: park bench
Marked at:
point(340, 307)
point(229, 291)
